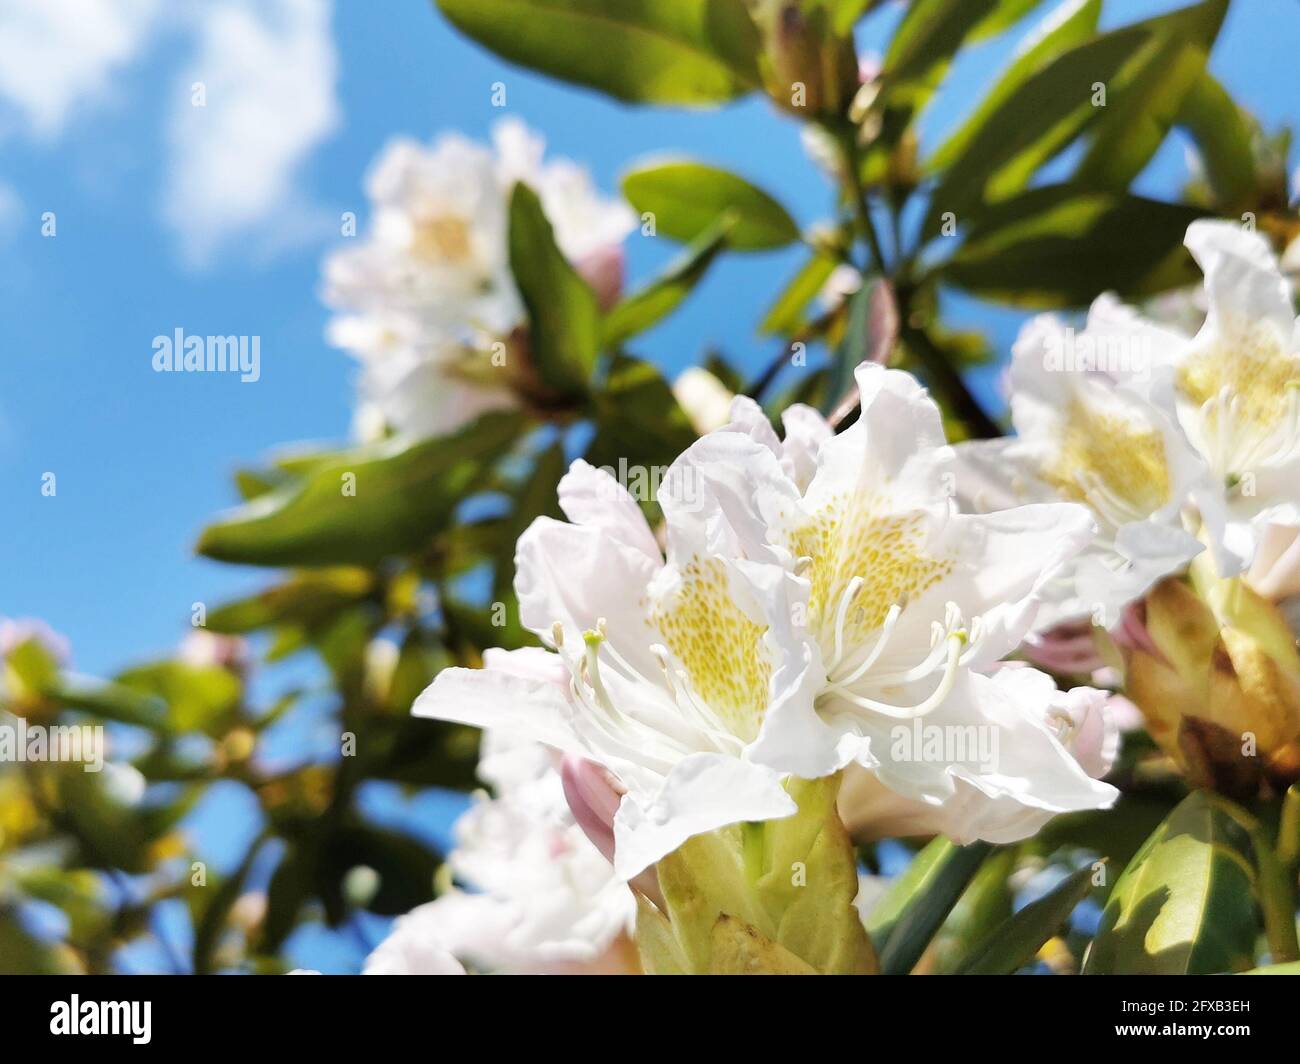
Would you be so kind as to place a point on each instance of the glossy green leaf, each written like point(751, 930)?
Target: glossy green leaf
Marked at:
point(905, 921)
point(1017, 942)
point(687, 198)
point(928, 36)
point(1042, 114)
point(563, 313)
point(405, 491)
point(1186, 903)
point(1059, 246)
point(1070, 24)
point(692, 52)
point(1143, 104)
point(650, 304)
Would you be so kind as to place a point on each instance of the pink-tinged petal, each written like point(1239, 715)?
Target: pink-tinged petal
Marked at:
point(594, 795)
point(1068, 647)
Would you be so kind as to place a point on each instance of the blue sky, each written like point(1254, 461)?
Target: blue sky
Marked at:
point(148, 193)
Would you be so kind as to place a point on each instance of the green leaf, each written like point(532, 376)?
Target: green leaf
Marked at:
point(786, 314)
point(1186, 903)
point(200, 698)
point(638, 422)
point(405, 492)
point(213, 923)
point(1005, 14)
point(1068, 25)
point(1146, 100)
point(1062, 246)
point(111, 701)
point(562, 309)
point(289, 889)
point(926, 39)
point(1015, 943)
point(1223, 135)
point(905, 921)
point(687, 198)
point(648, 305)
point(1042, 114)
point(305, 598)
point(691, 52)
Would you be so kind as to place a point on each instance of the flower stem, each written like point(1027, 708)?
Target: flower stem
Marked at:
point(1277, 900)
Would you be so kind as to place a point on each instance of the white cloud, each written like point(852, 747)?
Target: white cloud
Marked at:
point(269, 77)
point(55, 54)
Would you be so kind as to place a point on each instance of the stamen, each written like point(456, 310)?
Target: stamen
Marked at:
point(955, 644)
point(873, 655)
point(845, 599)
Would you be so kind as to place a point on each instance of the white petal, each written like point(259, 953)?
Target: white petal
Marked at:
point(578, 574)
point(488, 698)
point(1028, 777)
point(703, 792)
point(805, 432)
point(1242, 278)
point(590, 496)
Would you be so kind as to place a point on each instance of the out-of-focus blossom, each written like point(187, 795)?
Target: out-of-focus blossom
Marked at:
point(706, 400)
point(204, 648)
point(426, 300)
point(539, 897)
point(1081, 437)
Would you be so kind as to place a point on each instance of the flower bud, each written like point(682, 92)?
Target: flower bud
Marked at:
point(705, 399)
point(811, 69)
point(1221, 691)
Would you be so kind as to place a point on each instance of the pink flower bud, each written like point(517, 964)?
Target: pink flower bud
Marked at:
point(603, 270)
point(594, 794)
point(1068, 648)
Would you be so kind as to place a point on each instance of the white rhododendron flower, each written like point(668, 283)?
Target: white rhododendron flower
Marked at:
point(816, 595)
point(1174, 443)
point(907, 600)
point(426, 295)
point(1082, 438)
point(662, 669)
point(1235, 390)
point(543, 899)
